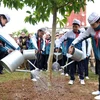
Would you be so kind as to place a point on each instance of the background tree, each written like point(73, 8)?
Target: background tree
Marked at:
point(18, 33)
point(41, 12)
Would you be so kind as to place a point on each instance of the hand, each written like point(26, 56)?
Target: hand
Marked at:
point(9, 50)
point(1, 44)
point(36, 51)
point(70, 50)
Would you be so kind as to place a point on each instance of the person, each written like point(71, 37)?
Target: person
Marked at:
point(47, 48)
point(57, 37)
point(4, 19)
point(94, 32)
point(70, 36)
point(64, 58)
point(22, 41)
point(39, 45)
point(87, 53)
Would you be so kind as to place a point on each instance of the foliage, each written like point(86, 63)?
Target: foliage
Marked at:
point(19, 32)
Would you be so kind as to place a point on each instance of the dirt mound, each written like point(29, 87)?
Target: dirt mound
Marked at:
point(60, 90)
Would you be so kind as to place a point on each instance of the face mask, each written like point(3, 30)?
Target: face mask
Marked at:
point(97, 29)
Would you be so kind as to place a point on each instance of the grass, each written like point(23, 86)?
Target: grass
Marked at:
point(93, 76)
point(13, 76)
point(22, 75)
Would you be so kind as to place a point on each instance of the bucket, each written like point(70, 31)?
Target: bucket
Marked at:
point(77, 55)
point(29, 54)
point(12, 61)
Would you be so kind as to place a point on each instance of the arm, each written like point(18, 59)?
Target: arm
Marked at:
point(82, 36)
point(84, 48)
point(59, 41)
point(89, 48)
point(43, 48)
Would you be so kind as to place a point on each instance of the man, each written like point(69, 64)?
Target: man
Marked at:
point(88, 48)
point(94, 32)
point(70, 36)
point(4, 19)
point(23, 41)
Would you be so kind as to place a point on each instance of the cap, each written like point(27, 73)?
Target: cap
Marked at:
point(42, 29)
point(48, 33)
point(93, 18)
point(7, 16)
point(76, 21)
point(61, 32)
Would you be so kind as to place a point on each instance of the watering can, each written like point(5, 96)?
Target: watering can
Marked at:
point(34, 73)
point(77, 55)
point(56, 65)
point(12, 61)
point(29, 54)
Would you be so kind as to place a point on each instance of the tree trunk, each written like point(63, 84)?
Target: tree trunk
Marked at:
point(50, 59)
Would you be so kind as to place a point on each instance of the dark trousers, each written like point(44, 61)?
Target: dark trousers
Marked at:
point(33, 62)
point(64, 60)
point(73, 70)
point(97, 66)
point(40, 61)
point(98, 71)
point(46, 60)
point(2, 55)
point(86, 62)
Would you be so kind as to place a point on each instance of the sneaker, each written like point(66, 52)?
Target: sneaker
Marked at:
point(62, 74)
point(82, 82)
point(87, 77)
point(97, 97)
point(34, 79)
point(96, 93)
point(71, 82)
point(66, 74)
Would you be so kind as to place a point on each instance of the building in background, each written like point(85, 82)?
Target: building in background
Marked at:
point(80, 16)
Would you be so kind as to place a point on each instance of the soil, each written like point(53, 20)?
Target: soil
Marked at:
point(26, 89)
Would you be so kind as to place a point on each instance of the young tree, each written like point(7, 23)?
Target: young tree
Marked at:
point(41, 12)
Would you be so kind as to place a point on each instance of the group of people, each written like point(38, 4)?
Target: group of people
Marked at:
point(41, 42)
point(65, 42)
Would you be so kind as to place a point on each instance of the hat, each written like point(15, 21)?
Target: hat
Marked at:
point(42, 29)
point(61, 32)
point(7, 16)
point(48, 33)
point(93, 18)
point(76, 21)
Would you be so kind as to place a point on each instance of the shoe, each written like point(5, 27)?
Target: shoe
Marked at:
point(62, 74)
point(1, 72)
point(82, 82)
point(87, 77)
point(34, 79)
point(66, 74)
point(97, 97)
point(96, 93)
point(71, 82)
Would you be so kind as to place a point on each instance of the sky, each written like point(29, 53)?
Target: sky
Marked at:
point(17, 18)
